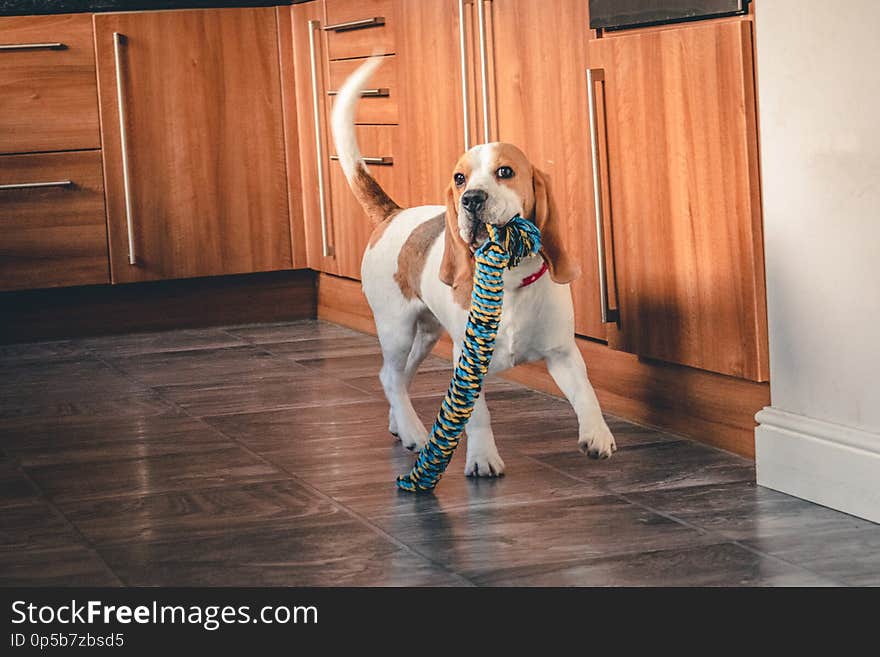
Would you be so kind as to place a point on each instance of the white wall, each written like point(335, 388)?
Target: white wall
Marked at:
point(818, 67)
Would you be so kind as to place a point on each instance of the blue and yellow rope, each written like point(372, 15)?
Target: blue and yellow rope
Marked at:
point(506, 246)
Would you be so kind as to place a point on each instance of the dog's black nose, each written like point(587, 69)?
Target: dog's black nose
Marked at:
point(473, 200)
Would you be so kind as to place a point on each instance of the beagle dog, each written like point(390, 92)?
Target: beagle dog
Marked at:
point(417, 276)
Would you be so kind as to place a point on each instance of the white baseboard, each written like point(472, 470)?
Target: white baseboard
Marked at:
point(830, 464)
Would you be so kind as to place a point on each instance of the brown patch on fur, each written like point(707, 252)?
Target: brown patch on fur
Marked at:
point(508, 155)
point(373, 199)
point(380, 228)
point(457, 265)
point(411, 259)
point(563, 268)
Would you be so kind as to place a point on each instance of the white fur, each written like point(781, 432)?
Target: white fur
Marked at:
point(502, 203)
point(537, 322)
point(342, 119)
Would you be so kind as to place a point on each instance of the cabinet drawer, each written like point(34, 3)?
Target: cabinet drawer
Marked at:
point(359, 28)
point(351, 227)
point(49, 97)
point(53, 234)
point(378, 104)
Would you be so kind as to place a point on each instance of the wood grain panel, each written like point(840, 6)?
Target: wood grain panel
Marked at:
point(682, 167)
point(305, 121)
point(48, 97)
point(205, 141)
point(371, 110)
point(362, 42)
point(542, 108)
point(56, 235)
point(712, 408)
point(352, 227)
point(292, 140)
point(432, 125)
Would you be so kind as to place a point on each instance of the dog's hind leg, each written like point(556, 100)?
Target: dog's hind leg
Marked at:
point(428, 331)
point(399, 340)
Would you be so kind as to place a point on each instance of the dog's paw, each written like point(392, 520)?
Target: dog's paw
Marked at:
point(484, 463)
point(413, 437)
point(598, 444)
point(392, 423)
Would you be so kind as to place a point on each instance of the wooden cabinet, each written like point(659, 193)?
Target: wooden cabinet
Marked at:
point(539, 102)
point(52, 226)
point(432, 116)
point(336, 228)
point(194, 162)
point(48, 94)
point(682, 195)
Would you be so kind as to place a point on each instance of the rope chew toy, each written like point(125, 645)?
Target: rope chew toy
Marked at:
point(506, 247)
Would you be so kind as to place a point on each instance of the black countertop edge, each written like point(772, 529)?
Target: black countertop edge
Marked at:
point(43, 7)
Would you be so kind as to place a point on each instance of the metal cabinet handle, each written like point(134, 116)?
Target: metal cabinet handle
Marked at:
point(356, 25)
point(36, 185)
point(123, 142)
point(484, 69)
point(370, 160)
point(465, 105)
point(609, 315)
point(56, 45)
point(367, 93)
point(326, 251)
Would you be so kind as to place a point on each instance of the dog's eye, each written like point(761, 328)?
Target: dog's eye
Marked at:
point(459, 179)
point(504, 172)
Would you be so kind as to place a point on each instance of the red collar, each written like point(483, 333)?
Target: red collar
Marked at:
point(531, 278)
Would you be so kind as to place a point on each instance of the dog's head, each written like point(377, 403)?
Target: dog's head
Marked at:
point(491, 184)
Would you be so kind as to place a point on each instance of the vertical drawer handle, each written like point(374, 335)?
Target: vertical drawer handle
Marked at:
point(326, 250)
point(371, 160)
point(356, 25)
point(57, 45)
point(118, 40)
point(484, 69)
point(609, 315)
point(465, 104)
point(366, 93)
point(36, 185)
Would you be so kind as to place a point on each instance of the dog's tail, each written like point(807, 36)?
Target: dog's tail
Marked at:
point(375, 202)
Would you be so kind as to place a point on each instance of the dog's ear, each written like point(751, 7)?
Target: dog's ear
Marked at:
point(457, 266)
point(563, 268)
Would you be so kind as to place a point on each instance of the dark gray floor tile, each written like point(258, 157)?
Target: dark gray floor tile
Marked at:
point(73, 565)
point(131, 344)
point(325, 347)
point(206, 366)
point(245, 395)
point(744, 511)
point(484, 542)
point(38, 384)
point(114, 439)
point(305, 429)
point(364, 479)
point(305, 329)
point(656, 466)
point(850, 556)
point(724, 564)
point(191, 514)
point(225, 465)
point(340, 554)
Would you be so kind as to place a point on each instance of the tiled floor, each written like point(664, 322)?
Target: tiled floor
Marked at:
point(260, 455)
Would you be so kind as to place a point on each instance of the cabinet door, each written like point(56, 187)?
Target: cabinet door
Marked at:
point(310, 65)
point(429, 72)
point(685, 220)
point(541, 106)
point(196, 180)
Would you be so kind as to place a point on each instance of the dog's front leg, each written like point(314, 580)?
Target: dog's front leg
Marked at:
point(483, 459)
point(567, 368)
